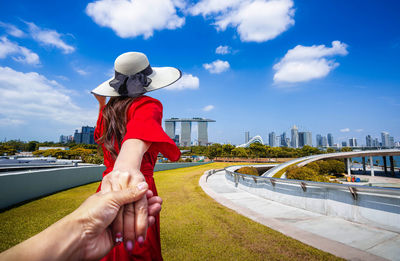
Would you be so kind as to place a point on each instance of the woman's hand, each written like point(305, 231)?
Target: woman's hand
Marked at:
point(132, 220)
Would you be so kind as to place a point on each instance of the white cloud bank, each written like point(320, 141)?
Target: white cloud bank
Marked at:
point(12, 30)
point(217, 66)
point(223, 49)
point(49, 37)
point(305, 63)
point(131, 18)
point(345, 130)
point(187, 81)
point(208, 107)
point(254, 20)
point(27, 97)
point(17, 52)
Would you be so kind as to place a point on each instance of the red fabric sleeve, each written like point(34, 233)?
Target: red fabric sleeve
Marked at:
point(144, 123)
point(99, 127)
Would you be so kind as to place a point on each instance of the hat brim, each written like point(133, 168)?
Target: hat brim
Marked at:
point(160, 78)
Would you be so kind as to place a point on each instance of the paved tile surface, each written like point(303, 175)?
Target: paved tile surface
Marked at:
point(340, 237)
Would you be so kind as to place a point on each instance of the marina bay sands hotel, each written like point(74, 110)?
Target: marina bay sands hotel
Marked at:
point(186, 130)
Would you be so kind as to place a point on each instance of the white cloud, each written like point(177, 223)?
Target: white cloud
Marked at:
point(255, 20)
point(17, 52)
point(359, 130)
point(345, 130)
point(12, 30)
point(49, 37)
point(304, 63)
point(208, 108)
point(187, 81)
point(131, 18)
point(217, 66)
point(27, 97)
point(223, 49)
point(81, 71)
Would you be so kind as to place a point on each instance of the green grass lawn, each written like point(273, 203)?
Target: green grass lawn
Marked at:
point(193, 225)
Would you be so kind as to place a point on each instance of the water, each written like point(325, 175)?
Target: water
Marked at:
point(396, 160)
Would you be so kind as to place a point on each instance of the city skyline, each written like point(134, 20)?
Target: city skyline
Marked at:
point(326, 65)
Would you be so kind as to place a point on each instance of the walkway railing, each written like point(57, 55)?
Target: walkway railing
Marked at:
point(363, 204)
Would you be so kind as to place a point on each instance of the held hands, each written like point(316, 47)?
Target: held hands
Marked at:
point(133, 219)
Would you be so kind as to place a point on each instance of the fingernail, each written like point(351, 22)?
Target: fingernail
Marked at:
point(129, 245)
point(142, 186)
point(118, 238)
point(140, 240)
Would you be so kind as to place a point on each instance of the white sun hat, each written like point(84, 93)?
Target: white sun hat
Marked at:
point(134, 76)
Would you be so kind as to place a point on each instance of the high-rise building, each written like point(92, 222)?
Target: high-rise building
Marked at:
point(246, 136)
point(186, 133)
point(272, 139)
point(375, 143)
point(308, 138)
point(391, 142)
point(283, 140)
point(65, 138)
point(202, 135)
point(344, 144)
point(319, 140)
point(324, 141)
point(353, 142)
point(170, 128)
point(385, 139)
point(368, 141)
point(330, 140)
point(86, 136)
point(295, 137)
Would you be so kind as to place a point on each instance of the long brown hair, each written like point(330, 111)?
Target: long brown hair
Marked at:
point(114, 123)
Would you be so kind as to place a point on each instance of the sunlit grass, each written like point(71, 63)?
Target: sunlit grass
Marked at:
point(193, 226)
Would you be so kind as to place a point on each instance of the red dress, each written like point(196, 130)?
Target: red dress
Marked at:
point(143, 122)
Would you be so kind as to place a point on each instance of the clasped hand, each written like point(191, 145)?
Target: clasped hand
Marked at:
point(133, 219)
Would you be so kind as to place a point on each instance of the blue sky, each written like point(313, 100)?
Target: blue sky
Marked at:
point(326, 66)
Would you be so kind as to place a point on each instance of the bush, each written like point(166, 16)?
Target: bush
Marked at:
point(305, 173)
point(93, 159)
point(188, 160)
point(248, 171)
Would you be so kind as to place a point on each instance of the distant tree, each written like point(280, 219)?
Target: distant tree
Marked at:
point(31, 146)
point(214, 150)
point(257, 150)
point(240, 152)
point(330, 150)
point(227, 150)
point(346, 149)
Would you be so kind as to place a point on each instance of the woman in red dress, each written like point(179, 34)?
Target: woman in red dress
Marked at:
point(130, 133)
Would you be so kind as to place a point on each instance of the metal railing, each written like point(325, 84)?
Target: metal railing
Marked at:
point(353, 189)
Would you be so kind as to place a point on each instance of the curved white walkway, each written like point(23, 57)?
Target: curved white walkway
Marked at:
point(342, 238)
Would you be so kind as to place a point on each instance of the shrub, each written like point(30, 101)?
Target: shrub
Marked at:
point(305, 173)
point(248, 171)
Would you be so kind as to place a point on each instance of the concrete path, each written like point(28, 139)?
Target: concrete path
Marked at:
point(340, 237)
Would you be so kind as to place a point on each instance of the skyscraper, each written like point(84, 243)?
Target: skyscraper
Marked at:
point(295, 137)
point(86, 136)
point(307, 138)
point(186, 132)
point(246, 136)
point(368, 141)
point(170, 128)
point(324, 141)
point(319, 140)
point(344, 144)
point(385, 139)
point(202, 135)
point(330, 140)
point(272, 139)
point(283, 140)
point(353, 142)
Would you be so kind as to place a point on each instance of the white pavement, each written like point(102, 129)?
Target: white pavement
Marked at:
point(340, 237)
